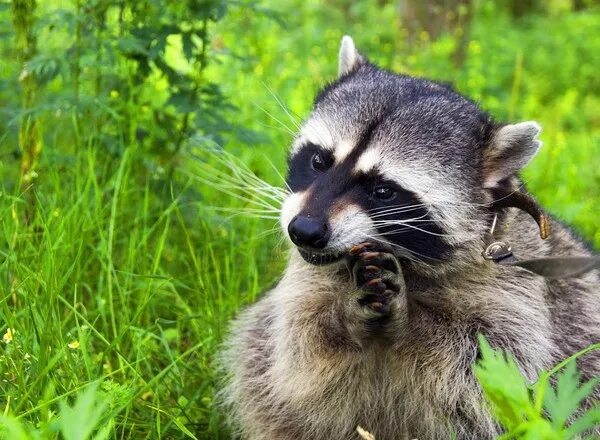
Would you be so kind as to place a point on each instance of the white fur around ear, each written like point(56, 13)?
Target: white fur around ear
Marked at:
point(511, 148)
point(349, 58)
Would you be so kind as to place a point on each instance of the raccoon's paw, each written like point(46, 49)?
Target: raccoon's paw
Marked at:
point(378, 276)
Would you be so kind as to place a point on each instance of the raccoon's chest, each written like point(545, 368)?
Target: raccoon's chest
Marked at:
point(394, 394)
point(331, 397)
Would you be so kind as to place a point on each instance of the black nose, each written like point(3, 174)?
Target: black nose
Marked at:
point(306, 231)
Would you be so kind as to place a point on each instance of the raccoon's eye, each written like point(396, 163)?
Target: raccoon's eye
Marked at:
point(384, 193)
point(320, 163)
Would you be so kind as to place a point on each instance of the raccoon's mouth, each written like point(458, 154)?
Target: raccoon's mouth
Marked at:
point(319, 259)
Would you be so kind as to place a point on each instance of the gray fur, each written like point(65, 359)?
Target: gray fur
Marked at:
point(299, 363)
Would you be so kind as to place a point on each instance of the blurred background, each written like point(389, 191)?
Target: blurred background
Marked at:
point(115, 263)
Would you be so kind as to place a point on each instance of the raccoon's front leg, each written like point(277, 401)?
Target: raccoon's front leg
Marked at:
point(379, 306)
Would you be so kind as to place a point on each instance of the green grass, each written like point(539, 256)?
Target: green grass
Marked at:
point(120, 290)
point(145, 285)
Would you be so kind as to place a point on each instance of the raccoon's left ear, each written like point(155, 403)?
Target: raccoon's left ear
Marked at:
point(349, 58)
point(511, 148)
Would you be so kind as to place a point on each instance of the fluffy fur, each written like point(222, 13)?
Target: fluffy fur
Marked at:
point(303, 363)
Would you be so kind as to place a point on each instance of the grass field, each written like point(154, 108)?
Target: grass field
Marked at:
point(120, 267)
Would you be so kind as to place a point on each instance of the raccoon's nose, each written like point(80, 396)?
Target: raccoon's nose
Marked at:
point(306, 231)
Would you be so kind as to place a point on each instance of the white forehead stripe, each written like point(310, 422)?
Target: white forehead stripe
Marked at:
point(315, 131)
point(421, 179)
point(342, 150)
point(367, 161)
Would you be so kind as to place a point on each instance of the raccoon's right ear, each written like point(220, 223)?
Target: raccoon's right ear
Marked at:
point(349, 58)
point(511, 148)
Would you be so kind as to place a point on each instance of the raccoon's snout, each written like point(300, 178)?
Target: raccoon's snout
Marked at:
point(309, 232)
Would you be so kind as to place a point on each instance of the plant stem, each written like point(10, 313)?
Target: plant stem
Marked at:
point(76, 68)
point(23, 16)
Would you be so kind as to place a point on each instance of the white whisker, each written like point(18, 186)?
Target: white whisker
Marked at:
point(283, 107)
point(408, 225)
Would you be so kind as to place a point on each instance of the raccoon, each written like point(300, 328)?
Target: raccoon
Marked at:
point(393, 180)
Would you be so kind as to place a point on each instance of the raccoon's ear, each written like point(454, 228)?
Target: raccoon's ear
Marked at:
point(349, 58)
point(511, 148)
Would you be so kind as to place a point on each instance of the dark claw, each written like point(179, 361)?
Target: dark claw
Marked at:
point(380, 307)
point(373, 247)
point(374, 301)
point(367, 274)
point(378, 303)
point(357, 249)
point(370, 256)
point(372, 269)
point(376, 285)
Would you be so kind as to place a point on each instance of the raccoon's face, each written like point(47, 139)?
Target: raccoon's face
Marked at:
point(391, 158)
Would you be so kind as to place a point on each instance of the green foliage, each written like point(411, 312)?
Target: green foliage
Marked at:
point(81, 420)
point(132, 265)
point(88, 418)
point(541, 410)
point(112, 71)
point(563, 402)
point(504, 387)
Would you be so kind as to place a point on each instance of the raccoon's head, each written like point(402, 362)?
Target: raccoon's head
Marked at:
point(397, 159)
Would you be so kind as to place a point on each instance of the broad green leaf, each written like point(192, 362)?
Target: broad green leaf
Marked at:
point(504, 386)
point(43, 68)
point(563, 401)
point(11, 428)
point(590, 419)
point(83, 418)
point(131, 45)
point(538, 429)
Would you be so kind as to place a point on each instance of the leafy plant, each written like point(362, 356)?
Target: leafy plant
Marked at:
point(107, 71)
point(88, 419)
point(542, 410)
